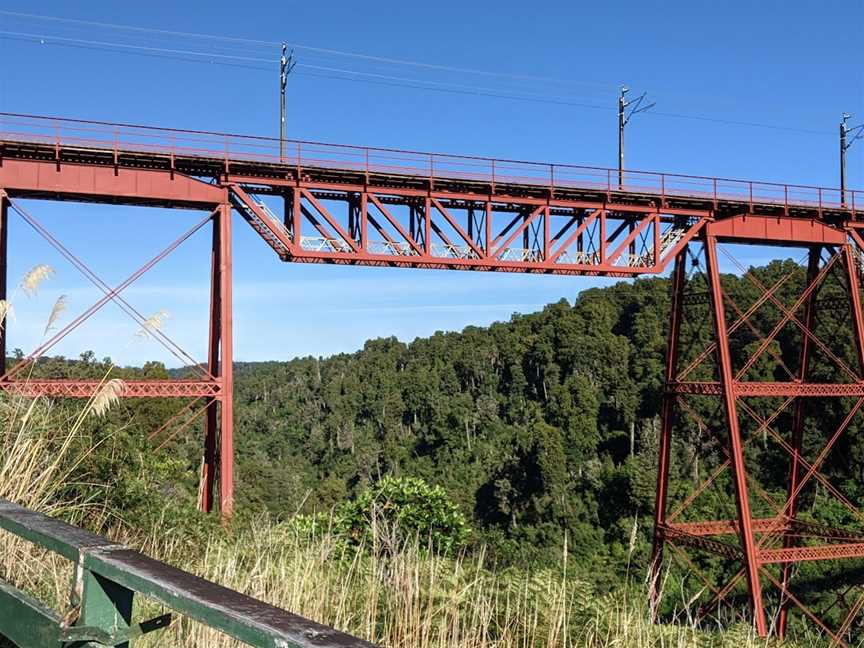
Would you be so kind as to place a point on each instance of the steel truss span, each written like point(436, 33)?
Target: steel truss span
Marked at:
point(318, 203)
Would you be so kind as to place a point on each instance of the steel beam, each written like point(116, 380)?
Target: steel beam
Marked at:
point(726, 527)
point(53, 181)
point(789, 540)
point(802, 554)
point(226, 364)
point(742, 502)
point(667, 415)
point(769, 389)
point(68, 388)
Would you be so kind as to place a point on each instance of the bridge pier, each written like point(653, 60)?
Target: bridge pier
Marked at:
point(728, 403)
point(219, 456)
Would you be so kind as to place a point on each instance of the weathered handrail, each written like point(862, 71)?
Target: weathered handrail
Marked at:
point(107, 577)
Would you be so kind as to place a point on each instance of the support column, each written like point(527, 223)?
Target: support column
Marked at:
point(220, 410)
point(226, 446)
point(797, 436)
point(850, 263)
point(4, 248)
point(736, 449)
point(667, 413)
point(208, 467)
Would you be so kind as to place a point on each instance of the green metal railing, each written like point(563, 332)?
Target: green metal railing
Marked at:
point(107, 578)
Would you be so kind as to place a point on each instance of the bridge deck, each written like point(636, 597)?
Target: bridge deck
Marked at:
point(325, 203)
point(214, 155)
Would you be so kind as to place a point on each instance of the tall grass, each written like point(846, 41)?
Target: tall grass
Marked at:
point(405, 597)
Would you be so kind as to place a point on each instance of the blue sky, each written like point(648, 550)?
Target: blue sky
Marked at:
point(794, 66)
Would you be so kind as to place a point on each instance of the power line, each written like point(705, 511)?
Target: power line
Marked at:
point(144, 48)
point(321, 50)
point(152, 54)
point(472, 88)
point(735, 122)
point(380, 79)
point(461, 92)
point(230, 60)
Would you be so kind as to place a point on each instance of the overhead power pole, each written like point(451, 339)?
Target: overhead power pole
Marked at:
point(846, 142)
point(286, 64)
point(624, 117)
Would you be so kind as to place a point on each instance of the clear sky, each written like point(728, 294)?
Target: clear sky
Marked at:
point(743, 90)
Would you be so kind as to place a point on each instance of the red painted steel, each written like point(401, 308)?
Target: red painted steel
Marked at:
point(739, 470)
point(131, 388)
point(789, 540)
point(802, 389)
point(322, 203)
point(667, 414)
point(782, 539)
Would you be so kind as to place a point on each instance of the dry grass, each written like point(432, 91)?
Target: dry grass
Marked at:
point(410, 598)
point(413, 599)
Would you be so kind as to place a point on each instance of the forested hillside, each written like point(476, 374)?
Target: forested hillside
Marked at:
point(535, 426)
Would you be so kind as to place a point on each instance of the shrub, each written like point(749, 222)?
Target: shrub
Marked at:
point(397, 509)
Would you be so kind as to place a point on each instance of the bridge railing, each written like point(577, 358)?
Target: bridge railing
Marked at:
point(107, 577)
point(73, 133)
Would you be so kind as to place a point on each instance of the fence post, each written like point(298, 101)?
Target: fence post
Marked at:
point(431, 172)
point(226, 156)
point(105, 606)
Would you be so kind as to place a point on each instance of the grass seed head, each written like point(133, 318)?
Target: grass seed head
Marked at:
point(108, 394)
point(6, 311)
point(59, 306)
point(153, 324)
point(34, 278)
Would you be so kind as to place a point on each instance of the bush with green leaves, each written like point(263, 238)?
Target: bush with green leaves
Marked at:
point(396, 510)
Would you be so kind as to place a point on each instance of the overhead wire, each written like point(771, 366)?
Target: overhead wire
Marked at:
point(152, 53)
point(337, 73)
point(322, 50)
point(208, 57)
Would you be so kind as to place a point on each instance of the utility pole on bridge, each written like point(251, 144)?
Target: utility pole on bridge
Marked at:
point(624, 117)
point(845, 144)
point(286, 64)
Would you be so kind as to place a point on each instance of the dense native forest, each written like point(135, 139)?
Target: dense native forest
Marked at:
point(543, 430)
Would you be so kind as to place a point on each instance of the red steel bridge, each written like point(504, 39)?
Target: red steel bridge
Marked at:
point(322, 203)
